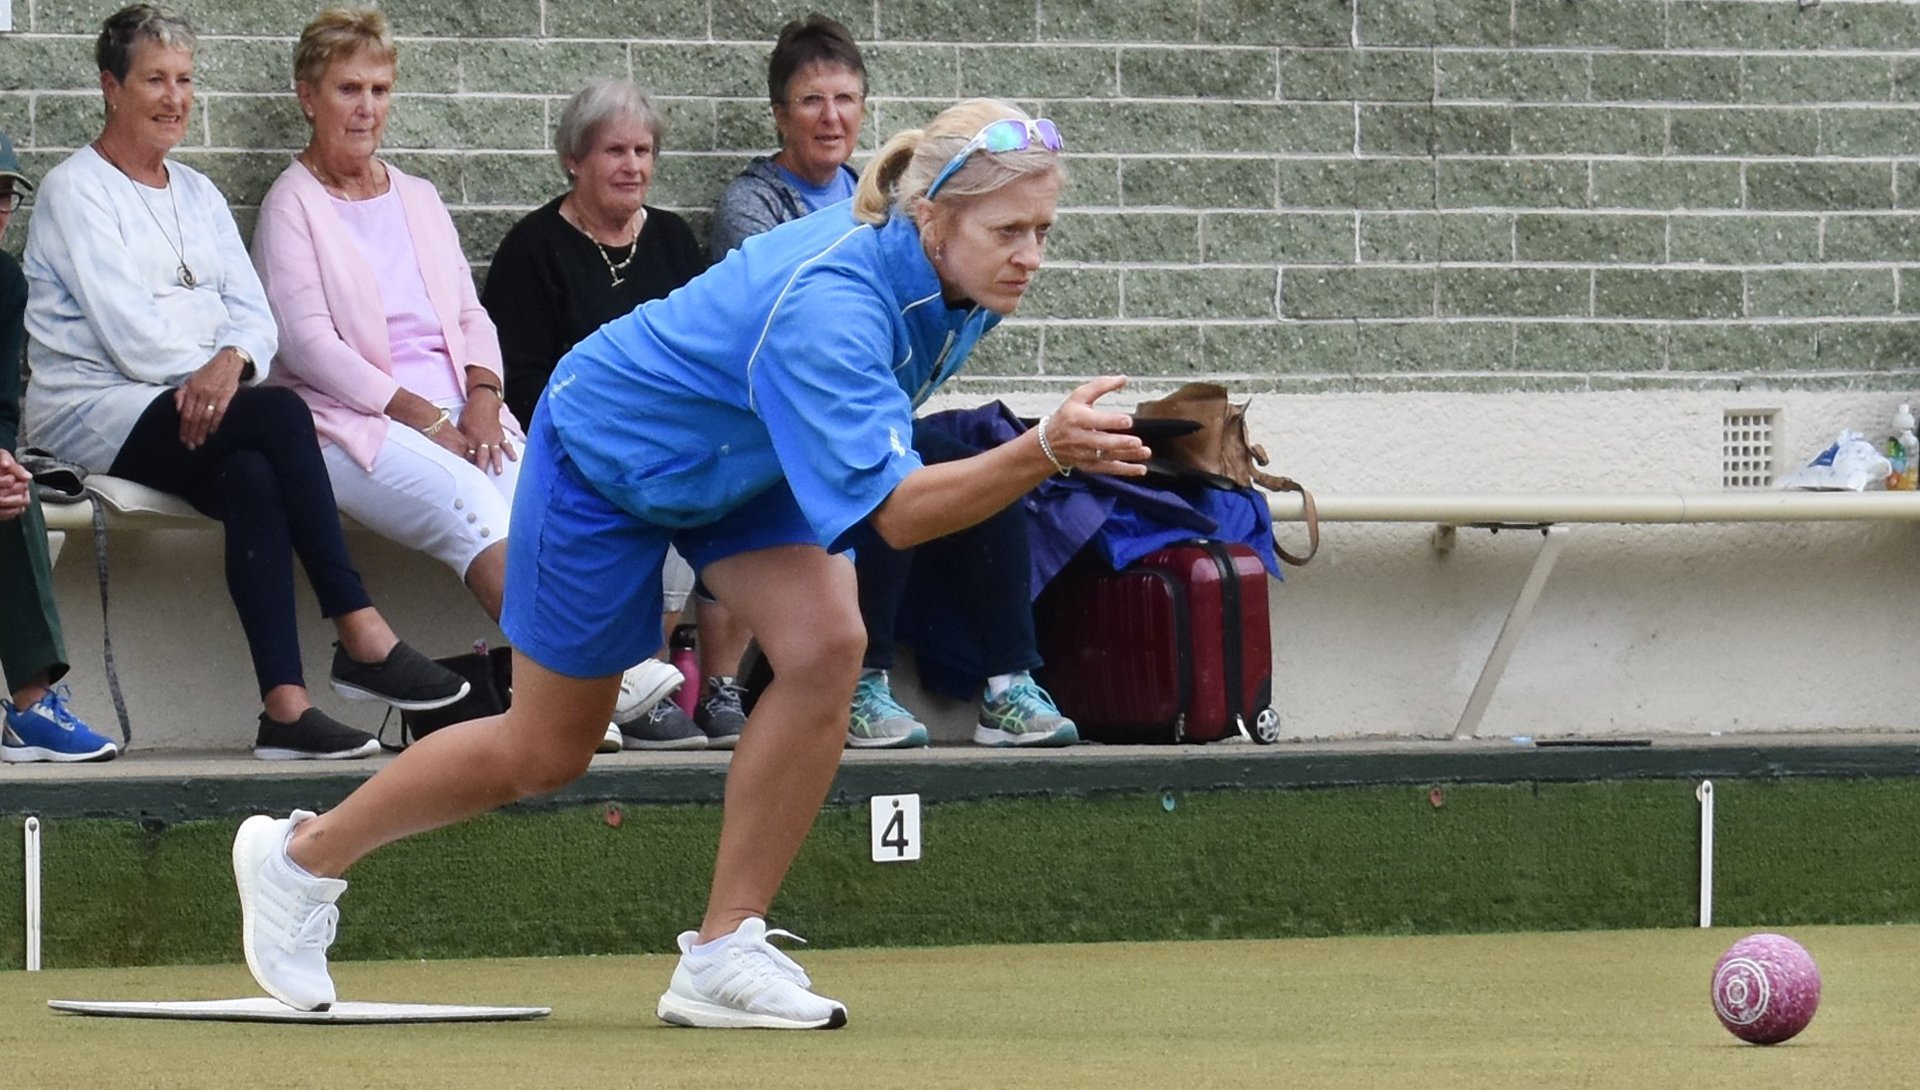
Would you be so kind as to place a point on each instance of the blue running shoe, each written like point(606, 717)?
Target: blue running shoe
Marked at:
point(48, 730)
point(877, 721)
point(1023, 715)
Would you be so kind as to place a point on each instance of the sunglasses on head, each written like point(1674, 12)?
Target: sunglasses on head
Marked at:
point(998, 137)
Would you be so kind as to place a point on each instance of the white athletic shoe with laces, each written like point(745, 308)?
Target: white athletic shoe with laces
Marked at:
point(287, 916)
point(745, 983)
point(643, 685)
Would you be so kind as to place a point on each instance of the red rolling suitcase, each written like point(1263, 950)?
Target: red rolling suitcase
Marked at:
point(1176, 648)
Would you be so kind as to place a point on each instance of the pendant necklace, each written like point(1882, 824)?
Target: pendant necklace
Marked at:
point(183, 270)
point(614, 268)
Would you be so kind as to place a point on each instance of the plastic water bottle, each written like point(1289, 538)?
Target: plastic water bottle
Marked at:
point(683, 653)
point(1906, 463)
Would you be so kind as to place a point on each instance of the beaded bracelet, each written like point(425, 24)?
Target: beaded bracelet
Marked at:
point(1046, 448)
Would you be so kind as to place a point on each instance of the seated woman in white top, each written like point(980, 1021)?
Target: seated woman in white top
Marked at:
point(148, 337)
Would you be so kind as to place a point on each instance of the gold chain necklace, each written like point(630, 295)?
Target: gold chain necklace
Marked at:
point(183, 270)
point(614, 269)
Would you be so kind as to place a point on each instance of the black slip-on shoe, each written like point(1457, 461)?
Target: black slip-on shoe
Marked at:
point(315, 736)
point(408, 680)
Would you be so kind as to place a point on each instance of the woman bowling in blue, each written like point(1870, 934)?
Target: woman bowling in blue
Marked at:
point(760, 420)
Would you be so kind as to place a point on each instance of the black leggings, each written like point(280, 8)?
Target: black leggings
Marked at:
point(986, 564)
point(262, 477)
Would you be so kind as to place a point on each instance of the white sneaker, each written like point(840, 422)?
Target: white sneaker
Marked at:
point(612, 741)
point(643, 686)
point(744, 983)
point(287, 916)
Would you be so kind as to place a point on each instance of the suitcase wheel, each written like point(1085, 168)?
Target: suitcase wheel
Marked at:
point(1266, 727)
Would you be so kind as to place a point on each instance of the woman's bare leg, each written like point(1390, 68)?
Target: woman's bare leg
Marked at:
point(723, 637)
point(487, 578)
point(541, 744)
point(801, 604)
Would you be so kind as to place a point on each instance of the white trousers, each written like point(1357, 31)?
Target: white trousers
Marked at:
point(425, 497)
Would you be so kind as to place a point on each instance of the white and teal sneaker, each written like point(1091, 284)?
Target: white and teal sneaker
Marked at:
point(1023, 715)
point(877, 721)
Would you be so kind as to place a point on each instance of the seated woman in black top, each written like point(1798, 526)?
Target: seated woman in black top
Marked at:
point(588, 256)
point(593, 253)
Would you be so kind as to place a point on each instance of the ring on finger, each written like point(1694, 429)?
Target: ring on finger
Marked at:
point(212, 407)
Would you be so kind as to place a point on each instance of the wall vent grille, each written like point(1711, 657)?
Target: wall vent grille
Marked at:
point(1747, 448)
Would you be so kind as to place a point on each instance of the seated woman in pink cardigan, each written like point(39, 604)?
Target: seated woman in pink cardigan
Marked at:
point(381, 331)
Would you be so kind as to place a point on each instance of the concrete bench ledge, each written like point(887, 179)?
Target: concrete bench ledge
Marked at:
point(184, 787)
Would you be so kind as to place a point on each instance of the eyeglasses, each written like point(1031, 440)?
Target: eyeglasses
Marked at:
point(817, 102)
point(10, 202)
point(999, 137)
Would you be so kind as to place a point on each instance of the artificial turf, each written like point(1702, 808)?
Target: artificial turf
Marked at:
point(1586, 1009)
point(1132, 867)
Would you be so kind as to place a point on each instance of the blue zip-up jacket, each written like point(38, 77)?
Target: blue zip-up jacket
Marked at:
point(801, 355)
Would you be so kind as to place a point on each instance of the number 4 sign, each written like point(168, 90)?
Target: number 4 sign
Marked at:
point(896, 828)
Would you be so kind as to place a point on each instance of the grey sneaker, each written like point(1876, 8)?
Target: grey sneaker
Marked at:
point(877, 721)
point(664, 726)
point(745, 983)
point(719, 714)
point(287, 916)
point(1024, 715)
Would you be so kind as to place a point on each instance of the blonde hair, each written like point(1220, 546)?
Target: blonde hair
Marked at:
point(897, 178)
point(337, 33)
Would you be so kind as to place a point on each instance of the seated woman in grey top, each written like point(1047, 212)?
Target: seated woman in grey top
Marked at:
point(818, 83)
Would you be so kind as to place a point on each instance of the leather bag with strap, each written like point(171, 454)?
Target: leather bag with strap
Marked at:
point(1221, 452)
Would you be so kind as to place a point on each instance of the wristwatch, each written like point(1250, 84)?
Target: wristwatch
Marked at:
point(246, 360)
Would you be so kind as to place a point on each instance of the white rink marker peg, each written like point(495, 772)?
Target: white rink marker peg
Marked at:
point(1705, 794)
point(896, 828)
point(263, 1009)
point(32, 835)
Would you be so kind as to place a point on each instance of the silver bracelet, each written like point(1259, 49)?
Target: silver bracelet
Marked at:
point(1046, 448)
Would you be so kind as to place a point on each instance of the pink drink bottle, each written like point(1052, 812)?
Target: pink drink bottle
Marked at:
point(683, 654)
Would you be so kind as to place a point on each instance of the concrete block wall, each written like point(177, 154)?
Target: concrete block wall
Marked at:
point(1455, 244)
point(1475, 195)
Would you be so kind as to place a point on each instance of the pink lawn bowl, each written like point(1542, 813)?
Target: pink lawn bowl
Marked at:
point(1766, 988)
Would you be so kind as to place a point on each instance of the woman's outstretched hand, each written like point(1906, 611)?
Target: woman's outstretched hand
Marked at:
point(1081, 435)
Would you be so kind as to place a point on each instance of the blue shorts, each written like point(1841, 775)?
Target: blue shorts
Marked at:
point(583, 575)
